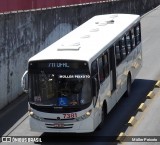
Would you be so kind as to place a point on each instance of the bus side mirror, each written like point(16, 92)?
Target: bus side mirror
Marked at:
point(94, 90)
point(24, 82)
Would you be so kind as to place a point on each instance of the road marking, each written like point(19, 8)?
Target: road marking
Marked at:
point(145, 40)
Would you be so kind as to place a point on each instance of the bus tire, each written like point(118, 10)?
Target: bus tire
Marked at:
point(127, 94)
point(103, 116)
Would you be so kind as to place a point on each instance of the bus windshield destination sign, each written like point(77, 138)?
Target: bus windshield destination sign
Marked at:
point(58, 65)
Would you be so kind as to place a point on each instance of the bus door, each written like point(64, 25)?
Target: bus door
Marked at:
point(112, 69)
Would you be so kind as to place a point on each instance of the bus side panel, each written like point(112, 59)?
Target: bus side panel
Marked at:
point(121, 79)
point(136, 61)
point(105, 94)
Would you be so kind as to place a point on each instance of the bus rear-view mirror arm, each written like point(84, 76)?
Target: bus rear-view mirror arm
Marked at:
point(24, 82)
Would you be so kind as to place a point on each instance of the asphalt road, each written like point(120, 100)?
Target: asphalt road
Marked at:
point(117, 119)
point(12, 113)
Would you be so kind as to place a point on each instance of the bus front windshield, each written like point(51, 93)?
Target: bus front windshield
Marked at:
point(49, 89)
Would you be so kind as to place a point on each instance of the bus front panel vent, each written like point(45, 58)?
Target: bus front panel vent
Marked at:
point(94, 30)
point(72, 47)
point(104, 23)
point(110, 22)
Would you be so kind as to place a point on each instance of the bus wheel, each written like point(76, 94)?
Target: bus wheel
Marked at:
point(102, 118)
point(127, 94)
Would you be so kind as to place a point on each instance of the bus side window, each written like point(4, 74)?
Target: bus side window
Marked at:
point(128, 43)
point(106, 64)
point(94, 71)
point(118, 53)
point(123, 47)
point(133, 39)
point(137, 31)
point(101, 70)
point(94, 68)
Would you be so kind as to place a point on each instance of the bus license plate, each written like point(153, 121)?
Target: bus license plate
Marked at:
point(58, 125)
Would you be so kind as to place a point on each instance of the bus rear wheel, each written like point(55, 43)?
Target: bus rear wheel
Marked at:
point(127, 94)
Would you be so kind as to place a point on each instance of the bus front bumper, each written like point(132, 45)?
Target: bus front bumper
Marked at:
point(84, 126)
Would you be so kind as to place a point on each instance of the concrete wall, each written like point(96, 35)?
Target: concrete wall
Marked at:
point(24, 34)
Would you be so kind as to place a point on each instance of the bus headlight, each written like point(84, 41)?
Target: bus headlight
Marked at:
point(86, 115)
point(35, 116)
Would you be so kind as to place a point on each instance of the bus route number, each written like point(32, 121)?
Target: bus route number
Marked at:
point(70, 115)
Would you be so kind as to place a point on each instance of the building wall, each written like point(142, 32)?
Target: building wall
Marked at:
point(24, 34)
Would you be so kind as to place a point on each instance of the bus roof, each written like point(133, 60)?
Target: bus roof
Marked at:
point(89, 39)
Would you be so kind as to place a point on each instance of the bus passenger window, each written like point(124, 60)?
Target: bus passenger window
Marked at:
point(133, 39)
point(128, 43)
point(106, 64)
point(94, 68)
point(101, 72)
point(123, 48)
point(118, 54)
point(94, 71)
point(137, 34)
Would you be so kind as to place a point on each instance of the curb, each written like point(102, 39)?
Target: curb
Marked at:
point(142, 107)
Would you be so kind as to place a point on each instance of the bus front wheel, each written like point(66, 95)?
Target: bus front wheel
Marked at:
point(103, 116)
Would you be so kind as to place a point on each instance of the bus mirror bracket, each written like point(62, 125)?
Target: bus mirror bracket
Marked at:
point(24, 82)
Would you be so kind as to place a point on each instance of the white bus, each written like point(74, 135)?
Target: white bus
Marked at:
point(77, 80)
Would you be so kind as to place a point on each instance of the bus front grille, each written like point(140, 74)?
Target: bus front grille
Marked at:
point(59, 125)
